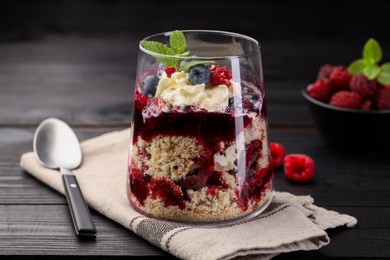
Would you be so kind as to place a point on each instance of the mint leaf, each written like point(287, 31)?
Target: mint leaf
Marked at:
point(356, 67)
point(170, 61)
point(372, 52)
point(178, 42)
point(188, 65)
point(156, 47)
point(160, 48)
point(384, 78)
point(170, 52)
point(386, 67)
point(372, 71)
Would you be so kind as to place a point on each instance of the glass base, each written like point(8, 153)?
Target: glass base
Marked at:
point(216, 223)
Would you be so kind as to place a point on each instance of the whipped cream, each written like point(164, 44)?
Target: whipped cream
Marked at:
point(177, 91)
point(225, 162)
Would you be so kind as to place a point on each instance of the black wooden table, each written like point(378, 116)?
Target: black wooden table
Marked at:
point(76, 60)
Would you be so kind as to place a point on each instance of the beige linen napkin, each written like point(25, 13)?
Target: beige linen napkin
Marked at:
point(290, 223)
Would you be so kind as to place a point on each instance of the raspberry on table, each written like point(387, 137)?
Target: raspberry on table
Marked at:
point(382, 99)
point(340, 78)
point(299, 167)
point(363, 86)
point(220, 75)
point(346, 99)
point(320, 90)
point(278, 152)
point(324, 71)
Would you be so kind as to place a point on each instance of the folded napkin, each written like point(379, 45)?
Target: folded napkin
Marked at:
point(289, 224)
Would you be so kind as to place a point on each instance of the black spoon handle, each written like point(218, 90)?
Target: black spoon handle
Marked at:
point(81, 216)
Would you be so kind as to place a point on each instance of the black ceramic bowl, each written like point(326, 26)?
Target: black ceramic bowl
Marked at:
point(349, 129)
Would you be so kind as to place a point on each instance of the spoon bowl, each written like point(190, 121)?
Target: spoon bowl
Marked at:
point(56, 146)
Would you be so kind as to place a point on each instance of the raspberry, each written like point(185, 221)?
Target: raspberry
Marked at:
point(198, 176)
point(169, 71)
point(154, 106)
point(346, 99)
point(299, 167)
point(320, 90)
point(363, 86)
point(220, 75)
point(168, 192)
point(382, 99)
point(253, 152)
point(340, 77)
point(138, 185)
point(278, 152)
point(324, 71)
point(366, 105)
point(140, 101)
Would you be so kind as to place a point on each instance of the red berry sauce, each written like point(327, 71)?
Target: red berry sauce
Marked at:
point(168, 192)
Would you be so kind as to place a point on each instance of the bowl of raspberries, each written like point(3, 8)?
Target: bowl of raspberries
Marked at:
point(350, 105)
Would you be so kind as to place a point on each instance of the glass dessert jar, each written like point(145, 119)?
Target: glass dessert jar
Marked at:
point(199, 142)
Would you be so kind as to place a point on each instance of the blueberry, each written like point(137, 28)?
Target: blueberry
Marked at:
point(199, 74)
point(149, 86)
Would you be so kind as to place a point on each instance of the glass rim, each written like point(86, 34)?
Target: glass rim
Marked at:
point(194, 57)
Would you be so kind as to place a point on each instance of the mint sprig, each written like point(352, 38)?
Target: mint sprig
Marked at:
point(178, 46)
point(368, 64)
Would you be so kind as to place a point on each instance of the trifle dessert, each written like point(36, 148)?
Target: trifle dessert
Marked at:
point(199, 143)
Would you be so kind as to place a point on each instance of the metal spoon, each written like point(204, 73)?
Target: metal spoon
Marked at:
point(56, 146)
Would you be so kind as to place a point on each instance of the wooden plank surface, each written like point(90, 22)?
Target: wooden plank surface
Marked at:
point(368, 240)
point(50, 232)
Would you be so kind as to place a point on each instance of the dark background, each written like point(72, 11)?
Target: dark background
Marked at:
point(285, 20)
